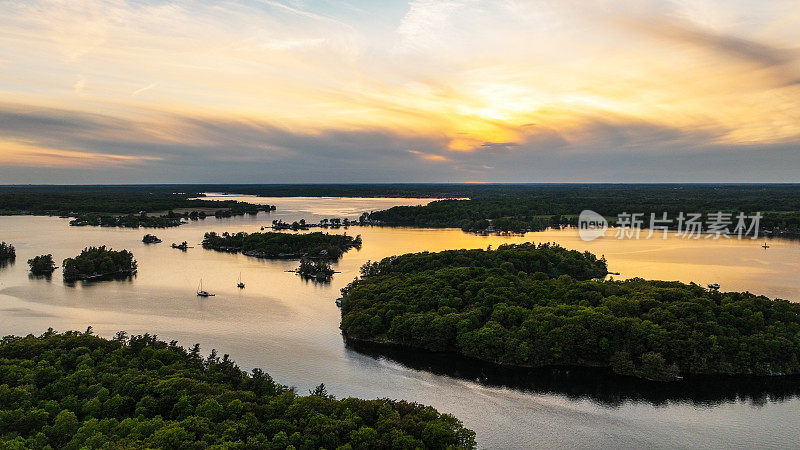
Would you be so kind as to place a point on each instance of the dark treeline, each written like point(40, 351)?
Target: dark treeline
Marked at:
point(7, 252)
point(76, 390)
point(534, 207)
point(125, 221)
point(517, 313)
point(282, 245)
point(333, 223)
point(170, 219)
point(92, 203)
point(512, 207)
point(747, 192)
point(97, 262)
point(662, 191)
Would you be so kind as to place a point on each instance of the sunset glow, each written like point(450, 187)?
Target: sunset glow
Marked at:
point(450, 90)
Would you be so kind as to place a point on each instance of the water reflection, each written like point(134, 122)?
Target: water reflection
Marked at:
point(290, 327)
point(599, 385)
point(41, 276)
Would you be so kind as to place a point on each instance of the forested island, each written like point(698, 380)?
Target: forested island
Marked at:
point(333, 222)
point(42, 265)
point(317, 269)
point(519, 208)
point(7, 252)
point(76, 390)
point(503, 207)
point(283, 245)
point(126, 221)
point(97, 263)
point(120, 206)
point(529, 306)
point(151, 239)
point(170, 219)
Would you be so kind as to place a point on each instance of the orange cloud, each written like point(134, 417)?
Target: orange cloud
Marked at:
point(455, 73)
point(28, 154)
point(429, 156)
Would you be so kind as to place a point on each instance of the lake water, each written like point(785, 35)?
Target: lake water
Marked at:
point(289, 327)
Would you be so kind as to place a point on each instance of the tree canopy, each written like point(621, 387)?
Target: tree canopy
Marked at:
point(76, 390)
point(98, 262)
point(7, 252)
point(534, 306)
point(42, 264)
point(536, 207)
point(282, 245)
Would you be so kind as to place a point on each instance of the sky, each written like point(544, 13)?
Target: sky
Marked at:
point(282, 91)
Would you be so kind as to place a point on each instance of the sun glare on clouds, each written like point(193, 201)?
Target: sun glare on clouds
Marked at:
point(463, 75)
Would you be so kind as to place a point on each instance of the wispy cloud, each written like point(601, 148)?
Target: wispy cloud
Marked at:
point(143, 89)
point(23, 154)
point(429, 156)
point(466, 84)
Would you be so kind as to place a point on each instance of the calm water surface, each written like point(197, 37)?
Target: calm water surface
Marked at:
point(290, 327)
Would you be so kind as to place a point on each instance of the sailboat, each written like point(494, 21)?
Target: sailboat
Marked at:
point(240, 285)
point(765, 246)
point(201, 292)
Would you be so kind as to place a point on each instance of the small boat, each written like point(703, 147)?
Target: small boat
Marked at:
point(765, 246)
point(339, 302)
point(201, 292)
point(240, 285)
point(713, 286)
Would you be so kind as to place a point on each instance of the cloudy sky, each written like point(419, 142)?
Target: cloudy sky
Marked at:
point(275, 91)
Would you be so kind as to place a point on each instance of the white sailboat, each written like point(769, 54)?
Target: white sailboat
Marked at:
point(201, 292)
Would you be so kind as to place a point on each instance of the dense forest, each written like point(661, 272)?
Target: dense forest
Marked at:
point(510, 207)
point(748, 197)
point(42, 264)
point(282, 245)
point(535, 207)
point(97, 262)
point(76, 390)
point(119, 206)
point(125, 221)
point(7, 252)
point(514, 307)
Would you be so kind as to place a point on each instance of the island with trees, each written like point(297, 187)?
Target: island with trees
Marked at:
point(332, 222)
point(99, 263)
point(316, 269)
point(7, 252)
point(77, 390)
point(42, 265)
point(535, 207)
point(276, 245)
point(120, 206)
point(531, 306)
point(151, 239)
